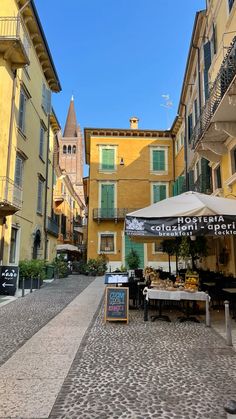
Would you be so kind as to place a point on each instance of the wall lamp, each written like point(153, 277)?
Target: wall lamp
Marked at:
point(122, 161)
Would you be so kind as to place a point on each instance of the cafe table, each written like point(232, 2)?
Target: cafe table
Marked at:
point(156, 294)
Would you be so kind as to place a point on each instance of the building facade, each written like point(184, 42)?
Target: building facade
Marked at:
point(27, 79)
point(128, 169)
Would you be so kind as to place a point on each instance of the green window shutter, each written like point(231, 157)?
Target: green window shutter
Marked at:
point(107, 200)
point(108, 159)
point(180, 184)
point(18, 171)
point(190, 127)
point(191, 180)
point(159, 193)
point(158, 160)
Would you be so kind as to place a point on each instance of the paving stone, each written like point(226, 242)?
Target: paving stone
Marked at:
point(148, 370)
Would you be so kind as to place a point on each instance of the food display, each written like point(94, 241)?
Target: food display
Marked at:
point(179, 283)
point(191, 282)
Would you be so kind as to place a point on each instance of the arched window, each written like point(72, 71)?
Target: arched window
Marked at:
point(69, 149)
point(64, 149)
point(74, 149)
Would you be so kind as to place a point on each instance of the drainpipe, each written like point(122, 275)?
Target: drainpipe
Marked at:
point(46, 192)
point(185, 146)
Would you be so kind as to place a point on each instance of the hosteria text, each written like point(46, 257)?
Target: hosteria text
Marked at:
point(213, 225)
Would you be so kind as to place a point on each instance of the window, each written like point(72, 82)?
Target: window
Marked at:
point(158, 192)
point(12, 257)
point(22, 110)
point(207, 64)
point(74, 149)
point(40, 196)
point(107, 243)
point(64, 149)
point(107, 158)
point(218, 183)
point(19, 171)
point(182, 139)
point(190, 127)
point(158, 248)
point(197, 168)
point(233, 159)
point(159, 160)
point(195, 111)
point(177, 146)
point(41, 141)
point(46, 99)
point(69, 149)
point(231, 3)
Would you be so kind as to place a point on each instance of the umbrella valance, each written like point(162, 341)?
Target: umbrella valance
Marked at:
point(188, 214)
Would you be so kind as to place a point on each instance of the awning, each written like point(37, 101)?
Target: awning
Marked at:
point(66, 247)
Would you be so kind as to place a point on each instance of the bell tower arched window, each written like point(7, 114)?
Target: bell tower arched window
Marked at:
point(64, 149)
point(69, 149)
point(74, 149)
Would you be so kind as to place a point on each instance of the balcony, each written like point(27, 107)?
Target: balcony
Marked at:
point(217, 120)
point(10, 197)
point(58, 196)
point(14, 41)
point(114, 214)
point(52, 227)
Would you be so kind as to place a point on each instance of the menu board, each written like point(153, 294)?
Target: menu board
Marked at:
point(8, 279)
point(117, 304)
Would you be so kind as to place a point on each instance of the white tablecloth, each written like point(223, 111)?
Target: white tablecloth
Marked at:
point(153, 294)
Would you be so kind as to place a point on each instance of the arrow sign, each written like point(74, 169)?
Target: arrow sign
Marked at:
point(7, 285)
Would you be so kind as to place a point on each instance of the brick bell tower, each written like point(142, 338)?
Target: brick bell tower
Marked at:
point(71, 154)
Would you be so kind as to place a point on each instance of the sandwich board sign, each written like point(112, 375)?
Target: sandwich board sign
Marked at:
point(117, 304)
point(8, 279)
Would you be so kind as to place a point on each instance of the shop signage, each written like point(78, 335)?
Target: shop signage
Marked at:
point(116, 278)
point(117, 304)
point(211, 225)
point(8, 279)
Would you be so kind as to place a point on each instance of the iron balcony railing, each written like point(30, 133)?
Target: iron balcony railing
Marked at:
point(203, 184)
point(10, 193)
point(111, 213)
point(12, 28)
point(52, 227)
point(222, 82)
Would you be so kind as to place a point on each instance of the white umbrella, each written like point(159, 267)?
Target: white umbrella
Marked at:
point(188, 214)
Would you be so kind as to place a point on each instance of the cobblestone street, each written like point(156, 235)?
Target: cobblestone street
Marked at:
point(76, 366)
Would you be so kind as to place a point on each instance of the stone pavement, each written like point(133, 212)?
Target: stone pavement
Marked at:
point(79, 367)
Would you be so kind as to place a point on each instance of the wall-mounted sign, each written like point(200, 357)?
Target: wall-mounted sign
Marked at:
point(211, 225)
point(117, 304)
point(8, 279)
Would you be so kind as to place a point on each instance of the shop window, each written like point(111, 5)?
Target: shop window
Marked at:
point(158, 248)
point(107, 243)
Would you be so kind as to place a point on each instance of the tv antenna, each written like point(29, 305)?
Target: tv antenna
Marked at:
point(167, 105)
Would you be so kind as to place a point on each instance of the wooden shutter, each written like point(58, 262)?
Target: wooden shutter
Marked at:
point(40, 197)
point(158, 160)
point(191, 180)
point(41, 141)
point(190, 127)
point(18, 171)
point(21, 121)
point(207, 64)
point(108, 159)
point(159, 193)
point(107, 200)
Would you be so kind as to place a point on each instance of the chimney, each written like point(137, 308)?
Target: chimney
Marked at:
point(133, 122)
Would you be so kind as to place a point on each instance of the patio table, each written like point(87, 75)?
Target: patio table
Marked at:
point(154, 294)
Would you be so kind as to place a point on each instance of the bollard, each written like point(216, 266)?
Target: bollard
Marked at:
point(38, 282)
point(31, 284)
point(23, 287)
point(228, 324)
point(230, 408)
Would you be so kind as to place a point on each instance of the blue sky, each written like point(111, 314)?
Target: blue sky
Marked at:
point(118, 57)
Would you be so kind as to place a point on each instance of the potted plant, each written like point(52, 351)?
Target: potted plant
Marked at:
point(133, 259)
point(32, 271)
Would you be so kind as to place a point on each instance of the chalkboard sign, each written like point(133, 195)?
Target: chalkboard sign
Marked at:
point(117, 304)
point(8, 279)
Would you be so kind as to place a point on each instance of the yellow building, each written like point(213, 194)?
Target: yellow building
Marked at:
point(207, 117)
point(27, 78)
point(128, 169)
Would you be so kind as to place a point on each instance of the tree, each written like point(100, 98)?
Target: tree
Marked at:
point(133, 259)
point(193, 248)
point(169, 246)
